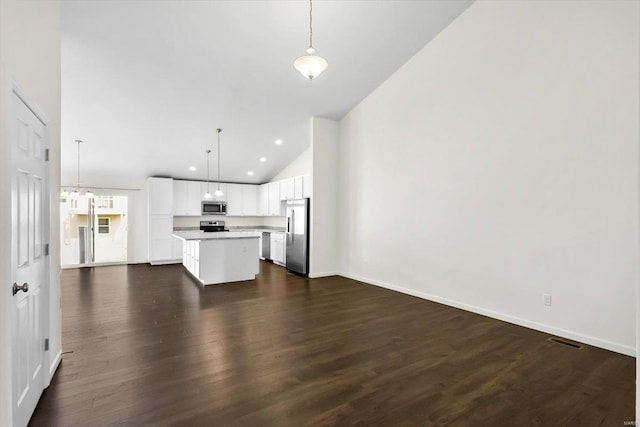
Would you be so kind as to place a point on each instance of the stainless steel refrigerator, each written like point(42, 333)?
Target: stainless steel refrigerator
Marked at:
point(297, 236)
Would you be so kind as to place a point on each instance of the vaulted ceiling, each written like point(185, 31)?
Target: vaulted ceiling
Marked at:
point(146, 83)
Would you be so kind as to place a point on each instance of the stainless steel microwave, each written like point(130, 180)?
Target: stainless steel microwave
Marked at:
point(214, 208)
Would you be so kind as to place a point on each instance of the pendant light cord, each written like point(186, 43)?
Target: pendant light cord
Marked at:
point(219, 130)
point(311, 24)
point(208, 179)
point(78, 171)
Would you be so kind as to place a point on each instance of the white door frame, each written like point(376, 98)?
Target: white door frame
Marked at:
point(8, 87)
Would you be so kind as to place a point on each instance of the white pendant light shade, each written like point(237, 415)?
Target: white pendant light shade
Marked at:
point(89, 194)
point(74, 194)
point(310, 66)
point(218, 193)
point(64, 193)
point(207, 195)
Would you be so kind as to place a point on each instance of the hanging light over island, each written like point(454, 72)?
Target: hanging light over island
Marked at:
point(311, 65)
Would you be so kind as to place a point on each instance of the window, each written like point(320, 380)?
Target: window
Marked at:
point(104, 202)
point(104, 224)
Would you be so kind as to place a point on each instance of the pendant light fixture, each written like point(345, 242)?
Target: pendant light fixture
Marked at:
point(75, 192)
point(219, 192)
point(208, 195)
point(310, 65)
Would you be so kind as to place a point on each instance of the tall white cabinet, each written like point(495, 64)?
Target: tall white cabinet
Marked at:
point(160, 225)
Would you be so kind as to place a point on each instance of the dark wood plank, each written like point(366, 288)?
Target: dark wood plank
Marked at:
point(148, 346)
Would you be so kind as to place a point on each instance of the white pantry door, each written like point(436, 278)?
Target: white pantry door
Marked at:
point(29, 218)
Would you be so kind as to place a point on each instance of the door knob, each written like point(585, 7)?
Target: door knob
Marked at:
point(17, 288)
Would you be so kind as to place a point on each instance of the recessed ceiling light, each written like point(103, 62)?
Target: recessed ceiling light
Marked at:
point(250, 173)
point(192, 168)
point(278, 142)
point(263, 159)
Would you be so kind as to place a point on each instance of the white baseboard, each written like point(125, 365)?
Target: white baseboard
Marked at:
point(325, 274)
point(54, 367)
point(165, 262)
point(586, 339)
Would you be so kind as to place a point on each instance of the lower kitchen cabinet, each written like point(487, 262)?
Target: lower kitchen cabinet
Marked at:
point(278, 248)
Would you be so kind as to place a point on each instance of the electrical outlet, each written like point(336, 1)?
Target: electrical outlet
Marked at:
point(547, 299)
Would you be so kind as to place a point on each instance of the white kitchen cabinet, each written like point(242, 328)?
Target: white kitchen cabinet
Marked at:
point(263, 200)
point(160, 196)
point(187, 196)
point(277, 248)
point(160, 220)
point(177, 249)
point(297, 187)
point(274, 198)
point(194, 198)
point(287, 189)
point(307, 186)
point(227, 259)
point(180, 195)
point(234, 200)
point(250, 200)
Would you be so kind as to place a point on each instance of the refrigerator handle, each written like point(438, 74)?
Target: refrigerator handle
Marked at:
point(293, 224)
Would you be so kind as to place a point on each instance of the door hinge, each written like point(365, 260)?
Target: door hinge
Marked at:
point(46, 249)
point(46, 155)
point(46, 344)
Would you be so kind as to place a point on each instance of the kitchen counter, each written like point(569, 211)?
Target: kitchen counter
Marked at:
point(220, 257)
point(202, 235)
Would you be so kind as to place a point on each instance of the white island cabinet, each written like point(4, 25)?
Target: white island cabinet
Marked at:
point(214, 258)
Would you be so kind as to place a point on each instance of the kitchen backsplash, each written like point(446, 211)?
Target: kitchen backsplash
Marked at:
point(231, 221)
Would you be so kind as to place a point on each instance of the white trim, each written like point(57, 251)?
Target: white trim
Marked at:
point(165, 262)
point(53, 368)
point(587, 339)
point(31, 105)
point(94, 264)
point(324, 274)
point(6, 391)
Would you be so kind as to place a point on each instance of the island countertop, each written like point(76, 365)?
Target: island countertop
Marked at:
point(202, 235)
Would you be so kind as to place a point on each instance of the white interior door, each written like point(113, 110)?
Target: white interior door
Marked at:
point(29, 216)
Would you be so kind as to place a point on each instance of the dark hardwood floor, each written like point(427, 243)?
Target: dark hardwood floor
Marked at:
point(147, 346)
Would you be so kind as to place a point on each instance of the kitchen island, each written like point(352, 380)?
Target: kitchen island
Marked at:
point(220, 257)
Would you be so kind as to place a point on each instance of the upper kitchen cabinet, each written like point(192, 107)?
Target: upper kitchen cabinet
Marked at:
point(234, 200)
point(306, 186)
point(250, 199)
point(263, 200)
point(194, 198)
point(160, 196)
point(287, 189)
point(242, 199)
point(180, 194)
point(186, 198)
point(274, 199)
point(297, 187)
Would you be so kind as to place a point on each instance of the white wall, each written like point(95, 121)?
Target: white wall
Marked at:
point(30, 55)
point(301, 165)
point(325, 247)
point(507, 151)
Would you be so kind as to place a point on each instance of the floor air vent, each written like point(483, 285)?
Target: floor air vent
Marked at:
point(565, 342)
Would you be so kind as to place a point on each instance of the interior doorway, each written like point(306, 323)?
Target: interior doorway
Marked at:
point(93, 230)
